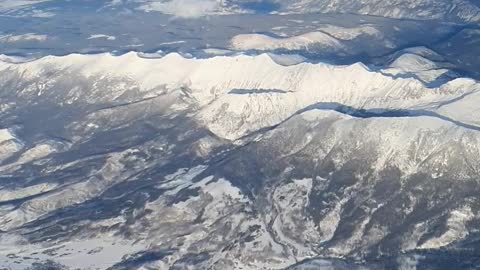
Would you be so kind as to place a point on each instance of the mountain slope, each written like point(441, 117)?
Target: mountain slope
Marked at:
point(232, 162)
point(456, 10)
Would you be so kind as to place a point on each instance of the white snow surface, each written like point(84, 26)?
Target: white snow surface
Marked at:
point(97, 253)
point(413, 9)
point(6, 135)
point(19, 193)
point(7, 5)
point(457, 230)
point(254, 92)
point(237, 95)
point(9, 144)
point(23, 37)
point(301, 42)
point(182, 8)
point(100, 36)
point(345, 33)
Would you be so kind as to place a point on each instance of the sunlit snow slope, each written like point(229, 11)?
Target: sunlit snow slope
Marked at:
point(234, 162)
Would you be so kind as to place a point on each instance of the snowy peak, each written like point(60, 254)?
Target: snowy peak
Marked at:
point(413, 63)
point(256, 92)
point(254, 146)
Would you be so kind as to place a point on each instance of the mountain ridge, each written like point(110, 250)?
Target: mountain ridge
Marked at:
point(148, 160)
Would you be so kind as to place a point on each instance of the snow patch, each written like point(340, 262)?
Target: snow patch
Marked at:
point(106, 251)
point(37, 152)
point(182, 8)
point(24, 37)
point(9, 144)
point(20, 193)
point(457, 229)
point(301, 42)
point(345, 33)
point(102, 36)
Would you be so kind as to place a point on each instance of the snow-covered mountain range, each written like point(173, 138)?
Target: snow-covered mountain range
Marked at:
point(239, 134)
point(238, 162)
point(456, 10)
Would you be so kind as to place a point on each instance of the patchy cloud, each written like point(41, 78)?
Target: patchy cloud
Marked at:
point(183, 8)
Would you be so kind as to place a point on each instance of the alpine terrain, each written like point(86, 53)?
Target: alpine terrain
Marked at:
point(236, 134)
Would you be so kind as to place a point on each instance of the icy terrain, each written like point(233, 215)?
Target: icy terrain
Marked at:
point(238, 134)
point(233, 161)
